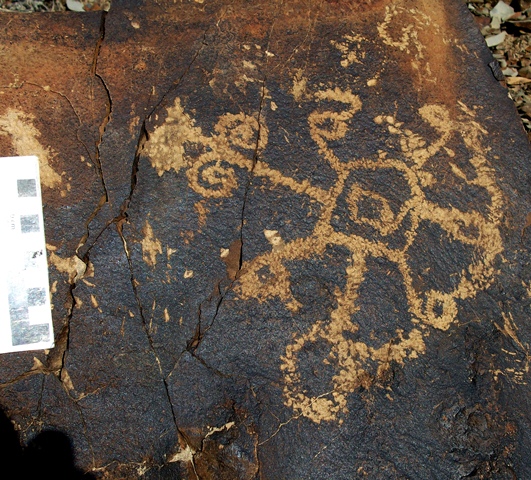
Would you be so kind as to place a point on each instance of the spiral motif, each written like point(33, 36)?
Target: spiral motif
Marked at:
point(377, 208)
point(211, 177)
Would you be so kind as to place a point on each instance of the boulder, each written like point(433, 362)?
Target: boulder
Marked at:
point(286, 240)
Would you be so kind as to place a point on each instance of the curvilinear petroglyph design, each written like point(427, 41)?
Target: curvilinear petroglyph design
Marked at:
point(212, 175)
point(428, 309)
point(238, 142)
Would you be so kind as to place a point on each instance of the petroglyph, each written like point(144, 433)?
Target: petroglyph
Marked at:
point(350, 49)
point(519, 371)
point(211, 174)
point(403, 28)
point(24, 136)
point(151, 246)
point(427, 309)
point(376, 217)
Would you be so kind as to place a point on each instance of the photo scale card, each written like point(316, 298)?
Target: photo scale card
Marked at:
point(25, 313)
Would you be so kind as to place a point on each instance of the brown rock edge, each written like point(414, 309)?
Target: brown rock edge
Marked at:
point(286, 240)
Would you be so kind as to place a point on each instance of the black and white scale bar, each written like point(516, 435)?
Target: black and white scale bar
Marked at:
point(25, 313)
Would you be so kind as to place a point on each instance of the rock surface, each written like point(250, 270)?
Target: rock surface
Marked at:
point(286, 240)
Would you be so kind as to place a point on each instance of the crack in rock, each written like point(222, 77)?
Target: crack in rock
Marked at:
point(145, 327)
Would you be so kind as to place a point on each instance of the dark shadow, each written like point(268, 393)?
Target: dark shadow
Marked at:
point(48, 456)
point(10, 449)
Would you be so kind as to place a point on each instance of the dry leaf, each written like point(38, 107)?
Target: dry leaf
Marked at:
point(502, 11)
point(75, 6)
point(517, 80)
point(496, 39)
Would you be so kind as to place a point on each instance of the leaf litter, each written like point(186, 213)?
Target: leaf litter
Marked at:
point(28, 6)
point(506, 26)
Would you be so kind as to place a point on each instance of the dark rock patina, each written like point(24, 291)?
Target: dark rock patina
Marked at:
point(286, 240)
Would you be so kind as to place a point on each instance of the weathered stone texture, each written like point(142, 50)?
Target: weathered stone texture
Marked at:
point(286, 240)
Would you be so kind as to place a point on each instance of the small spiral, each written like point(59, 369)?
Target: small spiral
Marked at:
point(212, 177)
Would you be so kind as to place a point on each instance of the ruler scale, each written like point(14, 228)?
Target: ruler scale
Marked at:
point(25, 313)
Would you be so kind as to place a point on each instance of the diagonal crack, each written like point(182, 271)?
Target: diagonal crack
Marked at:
point(55, 361)
point(144, 136)
point(193, 344)
point(97, 156)
point(200, 331)
point(251, 172)
point(258, 138)
point(178, 81)
point(56, 358)
point(122, 218)
point(67, 99)
point(145, 326)
point(107, 118)
point(79, 409)
point(180, 434)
